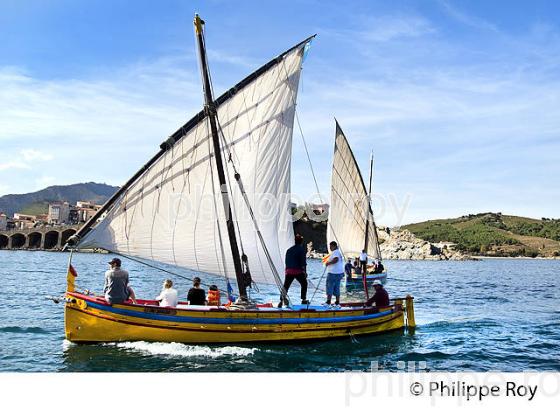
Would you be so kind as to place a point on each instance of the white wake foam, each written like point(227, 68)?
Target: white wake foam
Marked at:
point(181, 350)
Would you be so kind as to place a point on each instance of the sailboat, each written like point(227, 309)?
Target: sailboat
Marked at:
point(351, 223)
point(193, 205)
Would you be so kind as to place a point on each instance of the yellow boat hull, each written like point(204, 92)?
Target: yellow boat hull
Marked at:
point(90, 320)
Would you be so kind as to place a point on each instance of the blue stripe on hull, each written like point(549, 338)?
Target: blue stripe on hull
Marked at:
point(224, 321)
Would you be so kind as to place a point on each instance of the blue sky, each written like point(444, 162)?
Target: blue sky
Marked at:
point(458, 99)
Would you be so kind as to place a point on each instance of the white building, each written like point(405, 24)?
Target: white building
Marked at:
point(59, 212)
point(3, 222)
point(22, 221)
point(86, 210)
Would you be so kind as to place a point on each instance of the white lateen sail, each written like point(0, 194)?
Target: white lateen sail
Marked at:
point(350, 208)
point(172, 211)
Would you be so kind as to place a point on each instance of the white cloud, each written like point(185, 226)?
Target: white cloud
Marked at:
point(391, 28)
point(13, 165)
point(35, 155)
point(25, 159)
point(220, 56)
point(468, 19)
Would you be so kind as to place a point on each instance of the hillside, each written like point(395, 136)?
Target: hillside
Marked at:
point(37, 202)
point(494, 234)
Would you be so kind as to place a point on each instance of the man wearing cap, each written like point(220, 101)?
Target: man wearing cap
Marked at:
point(296, 269)
point(380, 298)
point(116, 288)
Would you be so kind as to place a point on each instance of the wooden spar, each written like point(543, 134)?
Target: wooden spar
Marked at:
point(368, 201)
point(210, 110)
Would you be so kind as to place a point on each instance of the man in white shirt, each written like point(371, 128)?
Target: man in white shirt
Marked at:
point(168, 296)
point(335, 269)
point(363, 261)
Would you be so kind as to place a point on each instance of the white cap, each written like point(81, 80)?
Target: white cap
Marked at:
point(377, 282)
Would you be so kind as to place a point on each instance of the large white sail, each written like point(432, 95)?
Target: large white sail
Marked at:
point(173, 213)
point(350, 207)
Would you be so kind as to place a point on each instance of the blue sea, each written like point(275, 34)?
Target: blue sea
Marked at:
point(494, 314)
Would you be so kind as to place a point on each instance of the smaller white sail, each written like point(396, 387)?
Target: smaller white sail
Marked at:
point(350, 208)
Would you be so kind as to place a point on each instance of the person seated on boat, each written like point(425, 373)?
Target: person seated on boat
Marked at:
point(196, 295)
point(168, 297)
point(379, 268)
point(335, 269)
point(213, 296)
point(116, 288)
point(348, 268)
point(363, 261)
point(356, 267)
point(296, 269)
point(380, 297)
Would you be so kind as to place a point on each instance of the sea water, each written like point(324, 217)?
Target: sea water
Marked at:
point(494, 314)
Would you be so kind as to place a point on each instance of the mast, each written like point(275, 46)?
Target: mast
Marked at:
point(210, 111)
point(368, 201)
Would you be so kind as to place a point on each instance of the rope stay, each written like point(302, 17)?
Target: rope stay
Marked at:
point(155, 267)
point(221, 242)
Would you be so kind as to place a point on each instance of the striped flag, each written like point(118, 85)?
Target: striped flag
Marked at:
point(231, 296)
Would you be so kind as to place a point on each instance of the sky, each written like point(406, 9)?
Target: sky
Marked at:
point(459, 100)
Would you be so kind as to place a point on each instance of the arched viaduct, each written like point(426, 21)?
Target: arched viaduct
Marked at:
point(46, 238)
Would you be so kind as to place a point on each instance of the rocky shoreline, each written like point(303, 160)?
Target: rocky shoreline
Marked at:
point(403, 244)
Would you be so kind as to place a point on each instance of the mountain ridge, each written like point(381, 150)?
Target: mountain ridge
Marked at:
point(494, 234)
point(87, 191)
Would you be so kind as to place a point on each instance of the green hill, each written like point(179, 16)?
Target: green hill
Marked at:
point(35, 208)
point(34, 202)
point(494, 234)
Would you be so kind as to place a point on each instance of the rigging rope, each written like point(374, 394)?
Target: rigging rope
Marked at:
point(275, 274)
point(237, 177)
point(156, 267)
point(318, 284)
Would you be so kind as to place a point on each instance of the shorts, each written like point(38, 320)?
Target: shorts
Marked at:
point(333, 284)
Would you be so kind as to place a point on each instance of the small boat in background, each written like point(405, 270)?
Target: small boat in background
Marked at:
point(355, 280)
point(351, 223)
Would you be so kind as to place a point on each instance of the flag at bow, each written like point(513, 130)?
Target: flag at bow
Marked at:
point(71, 279)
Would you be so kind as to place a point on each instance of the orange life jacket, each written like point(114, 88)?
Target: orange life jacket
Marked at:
point(214, 298)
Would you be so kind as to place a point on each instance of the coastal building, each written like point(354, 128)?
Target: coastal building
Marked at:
point(59, 213)
point(43, 218)
point(3, 222)
point(317, 212)
point(86, 210)
point(319, 209)
point(23, 221)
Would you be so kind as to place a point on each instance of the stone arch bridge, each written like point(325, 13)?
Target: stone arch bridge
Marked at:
point(47, 237)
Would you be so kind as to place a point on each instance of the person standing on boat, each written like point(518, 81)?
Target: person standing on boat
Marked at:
point(380, 297)
point(363, 261)
point(296, 269)
point(196, 295)
point(116, 287)
point(335, 269)
point(168, 297)
point(348, 268)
